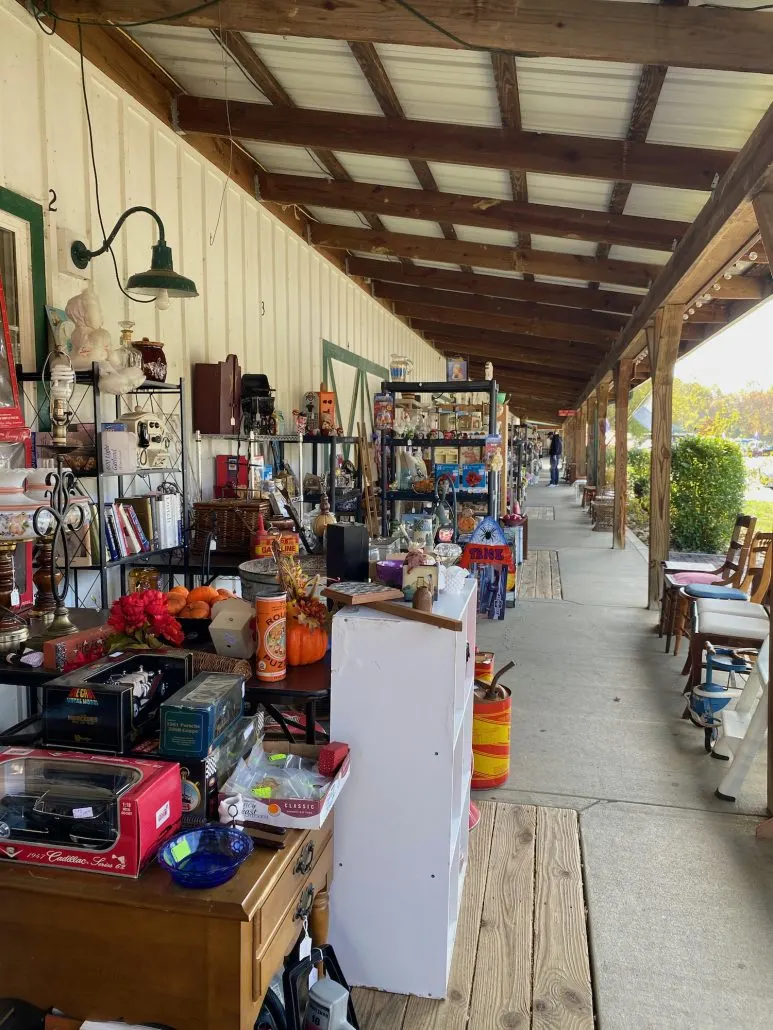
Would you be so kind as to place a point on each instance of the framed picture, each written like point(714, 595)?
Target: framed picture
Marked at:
point(456, 369)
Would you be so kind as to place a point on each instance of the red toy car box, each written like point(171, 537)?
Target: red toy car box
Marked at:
point(89, 812)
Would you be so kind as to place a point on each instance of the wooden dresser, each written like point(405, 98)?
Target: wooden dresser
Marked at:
point(148, 951)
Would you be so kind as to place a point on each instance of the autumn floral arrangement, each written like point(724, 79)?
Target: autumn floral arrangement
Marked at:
point(308, 619)
point(142, 620)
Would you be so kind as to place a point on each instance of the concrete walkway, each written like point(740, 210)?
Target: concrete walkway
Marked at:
point(679, 891)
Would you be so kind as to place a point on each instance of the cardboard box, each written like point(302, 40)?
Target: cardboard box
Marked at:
point(246, 810)
point(71, 652)
point(197, 716)
point(112, 704)
point(202, 778)
point(86, 812)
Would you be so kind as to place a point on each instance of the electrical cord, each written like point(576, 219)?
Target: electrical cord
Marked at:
point(93, 156)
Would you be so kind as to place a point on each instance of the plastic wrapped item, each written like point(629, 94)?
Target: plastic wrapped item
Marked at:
point(455, 577)
point(278, 776)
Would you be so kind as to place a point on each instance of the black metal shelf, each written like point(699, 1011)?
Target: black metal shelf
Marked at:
point(280, 438)
point(411, 495)
point(425, 441)
point(133, 559)
point(452, 386)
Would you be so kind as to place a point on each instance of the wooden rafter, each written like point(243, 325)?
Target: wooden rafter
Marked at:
point(383, 90)
point(508, 97)
point(636, 33)
point(722, 228)
point(487, 212)
point(652, 163)
point(493, 344)
point(494, 286)
point(483, 255)
point(514, 309)
point(257, 72)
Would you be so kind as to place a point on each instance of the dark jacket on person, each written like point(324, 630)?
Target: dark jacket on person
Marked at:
point(556, 446)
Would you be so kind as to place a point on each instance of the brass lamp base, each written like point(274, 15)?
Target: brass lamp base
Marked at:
point(12, 636)
point(60, 625)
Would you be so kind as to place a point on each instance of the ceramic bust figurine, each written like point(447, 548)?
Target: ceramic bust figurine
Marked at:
point(488, 371)
point(89, 341)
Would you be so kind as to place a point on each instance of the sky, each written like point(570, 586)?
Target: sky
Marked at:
point(740, 356)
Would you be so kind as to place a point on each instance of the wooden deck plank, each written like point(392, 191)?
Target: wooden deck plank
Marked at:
point(555, 577)
point(562, 990)
point(527, 580)
point(543, 591)
point(501, 995)
point(451, 1014)
point(377, 1010)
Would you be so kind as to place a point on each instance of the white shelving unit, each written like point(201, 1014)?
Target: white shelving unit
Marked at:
point(401, 697)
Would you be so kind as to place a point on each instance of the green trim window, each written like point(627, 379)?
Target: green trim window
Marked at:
point(22, 266)
point(359, 405)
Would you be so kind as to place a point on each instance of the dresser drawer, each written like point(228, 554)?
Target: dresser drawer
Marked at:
point(269, 956)
point(303, 862)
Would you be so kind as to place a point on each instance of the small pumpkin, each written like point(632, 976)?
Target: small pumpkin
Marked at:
point(305, 644)
point(207, 594)
point(175, 603)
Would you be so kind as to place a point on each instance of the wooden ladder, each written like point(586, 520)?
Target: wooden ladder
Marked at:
point(367, 464)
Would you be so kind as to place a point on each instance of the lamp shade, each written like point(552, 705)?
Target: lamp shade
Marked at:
point(162, 276)
point(16, 509)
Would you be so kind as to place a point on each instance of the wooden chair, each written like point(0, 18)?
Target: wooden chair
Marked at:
point(730, 573)
point(729, 599)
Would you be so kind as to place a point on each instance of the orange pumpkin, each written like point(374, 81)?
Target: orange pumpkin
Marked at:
point(207, 594)
point(196, 610)
point(175, 603)
point(182, 591)
point(305, 644)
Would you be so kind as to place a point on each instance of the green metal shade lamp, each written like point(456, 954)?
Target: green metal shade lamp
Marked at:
point(160, 281)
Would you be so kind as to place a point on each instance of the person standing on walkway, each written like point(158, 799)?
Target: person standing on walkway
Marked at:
point(556, 450)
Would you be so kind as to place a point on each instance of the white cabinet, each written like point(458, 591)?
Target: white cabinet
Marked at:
point(401, 697)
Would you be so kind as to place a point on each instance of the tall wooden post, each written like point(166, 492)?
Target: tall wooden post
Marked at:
point(664, 349)
point(579, 442)
point(592, 453)
point(602, 394)
point(763, 209)
point(623, 374)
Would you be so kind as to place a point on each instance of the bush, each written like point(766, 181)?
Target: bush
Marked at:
point(639, 472)
point(708, 480)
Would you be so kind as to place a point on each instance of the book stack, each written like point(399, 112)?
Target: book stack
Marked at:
point(137, 525)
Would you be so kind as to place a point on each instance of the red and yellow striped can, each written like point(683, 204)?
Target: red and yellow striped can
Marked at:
point(491, 742)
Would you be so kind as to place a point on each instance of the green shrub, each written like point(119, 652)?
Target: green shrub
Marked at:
point(639, 472)
point(708, 481)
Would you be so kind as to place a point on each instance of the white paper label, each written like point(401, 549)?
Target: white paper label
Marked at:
point(14, 602)
point(162, 815)
point(83, 813)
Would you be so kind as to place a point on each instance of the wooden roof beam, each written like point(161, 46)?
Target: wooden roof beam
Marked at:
point(482, 255)
point(651, 163)
point(515, 309)
point(486, 212)
point(722, 228)
point(635, 33)
point(575, 297)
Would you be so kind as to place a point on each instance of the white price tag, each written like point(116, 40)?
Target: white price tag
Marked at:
point(15, 598)
point(304, 948)
point(83, 813)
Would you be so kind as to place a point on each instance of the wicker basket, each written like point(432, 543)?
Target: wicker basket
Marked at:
point(233, 523)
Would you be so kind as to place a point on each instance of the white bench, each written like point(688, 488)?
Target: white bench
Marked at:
point(744, 728)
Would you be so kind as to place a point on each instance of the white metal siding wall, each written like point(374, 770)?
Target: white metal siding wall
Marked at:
point(265, 295)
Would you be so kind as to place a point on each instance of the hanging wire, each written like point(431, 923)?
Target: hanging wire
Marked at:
point(92, 154)
point(224, 55)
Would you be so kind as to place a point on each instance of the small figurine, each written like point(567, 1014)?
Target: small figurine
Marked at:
point(301, 420)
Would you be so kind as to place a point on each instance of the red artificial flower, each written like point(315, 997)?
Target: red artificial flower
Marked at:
point(145, 613)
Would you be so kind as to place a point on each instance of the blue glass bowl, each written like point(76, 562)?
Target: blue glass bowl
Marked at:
point(206, 857)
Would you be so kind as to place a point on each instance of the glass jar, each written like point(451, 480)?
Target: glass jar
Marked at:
point(143, 578)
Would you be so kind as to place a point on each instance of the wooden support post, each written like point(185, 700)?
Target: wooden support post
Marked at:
point(602, 394)
point(592, 455)
point(763, 210)
point(664, 349)
point(579, 441)
point(623, 374)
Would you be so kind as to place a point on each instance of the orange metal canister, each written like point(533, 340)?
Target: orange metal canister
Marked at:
point(271, 637)
point(491, 741)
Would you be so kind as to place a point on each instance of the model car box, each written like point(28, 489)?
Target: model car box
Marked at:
point(198, 715)
point(110, 705)
point(202, 778)
point(89, 812)
point(245, 810)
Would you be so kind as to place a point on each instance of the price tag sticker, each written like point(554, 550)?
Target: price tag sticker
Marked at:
point(14, 602)
point(180, 850)
point(83, 813)
point(261, 792)
point(276, 758)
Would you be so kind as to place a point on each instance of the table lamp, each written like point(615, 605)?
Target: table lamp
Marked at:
point(61, 377)
point(16, 526)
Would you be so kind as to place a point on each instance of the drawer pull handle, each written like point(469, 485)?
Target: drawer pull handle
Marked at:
point(306, 859)
point(303, 911)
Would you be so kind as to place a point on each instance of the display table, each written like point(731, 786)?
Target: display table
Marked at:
point(401, 697)
point(148, 951)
